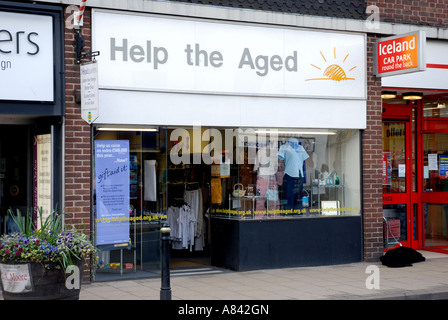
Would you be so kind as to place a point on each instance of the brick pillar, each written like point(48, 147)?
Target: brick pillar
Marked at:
point(77, 136)
point(372, 166)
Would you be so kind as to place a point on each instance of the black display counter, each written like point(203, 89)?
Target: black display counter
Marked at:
point(291, 242)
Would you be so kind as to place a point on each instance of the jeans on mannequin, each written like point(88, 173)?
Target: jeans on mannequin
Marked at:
point(292, 192)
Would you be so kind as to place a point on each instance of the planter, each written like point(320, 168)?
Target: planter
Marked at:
point(33, 281)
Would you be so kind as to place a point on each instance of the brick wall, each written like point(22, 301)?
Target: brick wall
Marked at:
point(423, 12)
point(372, 170)
point(77, 136)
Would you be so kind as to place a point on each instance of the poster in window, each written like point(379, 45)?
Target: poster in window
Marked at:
point(432, 161)
point(216, 190)
point(43, 178)
point(112, 180)
point(443, 167)
point(387, 168)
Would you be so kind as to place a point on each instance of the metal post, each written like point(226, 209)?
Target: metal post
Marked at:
point(165, 290)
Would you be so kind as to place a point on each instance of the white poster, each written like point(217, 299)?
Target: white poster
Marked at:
point(402, 171)
point(432, 161)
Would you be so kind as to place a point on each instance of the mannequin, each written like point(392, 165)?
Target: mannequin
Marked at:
point(293, 156)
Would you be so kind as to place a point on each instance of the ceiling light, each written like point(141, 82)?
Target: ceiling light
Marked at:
point(412, 95)
point(146, 129)
point(388, 94)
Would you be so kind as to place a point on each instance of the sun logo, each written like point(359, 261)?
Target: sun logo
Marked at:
point(334, 71)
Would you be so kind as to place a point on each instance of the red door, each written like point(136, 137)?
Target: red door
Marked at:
point(400, 196)
point(434, 191)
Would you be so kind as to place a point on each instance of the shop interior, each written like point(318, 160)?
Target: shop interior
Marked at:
point(14, 173)
point(178, 179)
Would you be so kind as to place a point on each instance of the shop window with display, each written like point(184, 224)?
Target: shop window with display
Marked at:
point(186, 176)
point(252, 173)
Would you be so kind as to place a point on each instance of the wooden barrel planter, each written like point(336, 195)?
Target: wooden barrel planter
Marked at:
point(36, 281)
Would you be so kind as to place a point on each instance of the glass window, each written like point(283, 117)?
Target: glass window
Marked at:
point(435, 166)
point(395, 229)
point(436, 225)
point(146, 166)
point(255, 173)
point(394, 157)
point(229, 173)
point(435, 108)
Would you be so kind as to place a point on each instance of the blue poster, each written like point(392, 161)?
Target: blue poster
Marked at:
point(443, 167)
point(112, 191)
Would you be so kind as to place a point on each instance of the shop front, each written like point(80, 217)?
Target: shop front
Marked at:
point(31, 109)
point(244, 138)
point(415, 151)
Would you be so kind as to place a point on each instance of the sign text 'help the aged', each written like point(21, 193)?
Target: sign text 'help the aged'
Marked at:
point(198, 57)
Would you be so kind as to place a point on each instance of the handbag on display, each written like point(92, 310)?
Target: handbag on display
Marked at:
point(238, 190)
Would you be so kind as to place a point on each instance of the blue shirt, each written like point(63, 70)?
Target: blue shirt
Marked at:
point(294, 158)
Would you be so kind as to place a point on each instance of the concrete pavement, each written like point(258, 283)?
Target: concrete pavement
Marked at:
point(426, 280)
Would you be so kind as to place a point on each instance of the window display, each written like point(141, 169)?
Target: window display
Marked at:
point(186, 176)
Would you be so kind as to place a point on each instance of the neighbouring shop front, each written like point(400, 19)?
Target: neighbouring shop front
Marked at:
point(31, 109)
point(415, 153)
point(244, 138)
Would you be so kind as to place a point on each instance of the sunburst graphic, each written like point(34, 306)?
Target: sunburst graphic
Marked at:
point(334, 71)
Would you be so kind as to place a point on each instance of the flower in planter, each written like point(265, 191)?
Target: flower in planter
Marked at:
point(48, 243)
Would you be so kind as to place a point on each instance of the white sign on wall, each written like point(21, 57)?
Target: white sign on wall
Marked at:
point(89, 91)
point(26, 57)
point(148, 53)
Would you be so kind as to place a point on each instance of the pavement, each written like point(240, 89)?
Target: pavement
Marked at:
point(426, 280)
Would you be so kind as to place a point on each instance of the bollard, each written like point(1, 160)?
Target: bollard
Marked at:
point(165, 290)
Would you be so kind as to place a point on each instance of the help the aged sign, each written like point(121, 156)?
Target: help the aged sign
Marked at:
point(400, 54)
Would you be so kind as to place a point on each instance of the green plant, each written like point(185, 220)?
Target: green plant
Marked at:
point(45, 241)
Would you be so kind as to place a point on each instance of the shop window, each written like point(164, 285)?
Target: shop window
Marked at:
point(435, 166)
point(436, 225)
point(254, 173)
point(435, 109)
point(129, 238)
point(228, 173)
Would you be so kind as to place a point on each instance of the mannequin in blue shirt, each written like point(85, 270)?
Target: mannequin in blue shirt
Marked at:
point(294, 155)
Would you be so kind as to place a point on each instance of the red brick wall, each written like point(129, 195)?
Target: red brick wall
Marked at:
point(372, 170)
point(77, 136)
point(425, 12)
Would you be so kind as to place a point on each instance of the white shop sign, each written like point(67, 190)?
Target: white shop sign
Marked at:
point(150, 53)
point(89, 91)
point(26, 57)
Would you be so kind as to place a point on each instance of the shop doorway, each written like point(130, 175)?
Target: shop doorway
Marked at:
point(414, 178)
point(434, 153)
point(400, 205)
point(14, 174)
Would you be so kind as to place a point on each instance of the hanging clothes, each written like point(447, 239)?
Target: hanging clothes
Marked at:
point(179, 221)
point(194, 199)
point(150, 180)
point(187, 222)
